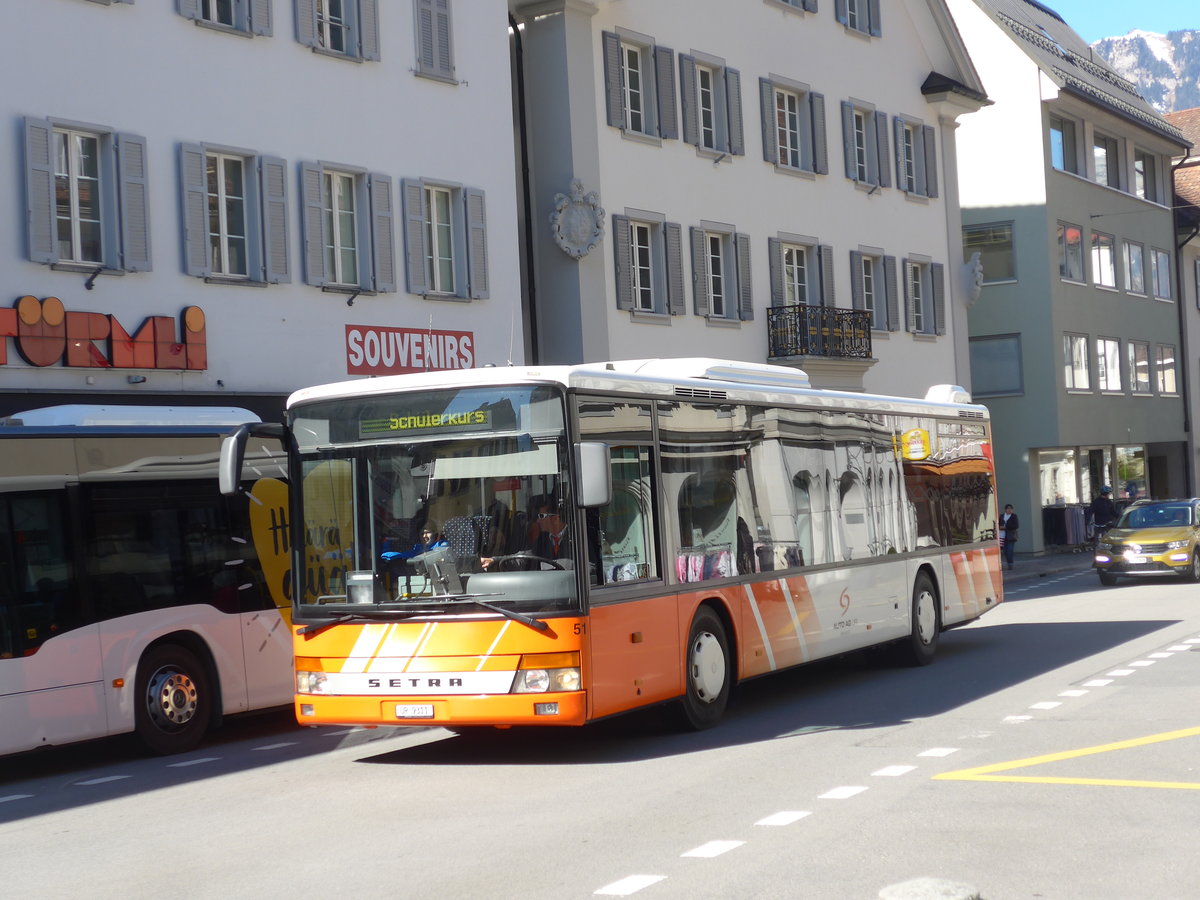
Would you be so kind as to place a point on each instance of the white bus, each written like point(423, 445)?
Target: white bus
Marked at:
point(134, 597)
point(553, 545)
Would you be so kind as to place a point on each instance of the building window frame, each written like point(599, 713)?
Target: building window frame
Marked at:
point(1160, 274)
point(859, 16)
point(865, 142)
point(445, 239)
point(1106, 160)
point(1145, 175)
point(1064, 143)
point(1138, 356)
point(629, 53)
point(994, 242)
point(793, 126)
point(1104, 260)
point(924, 296)
point(1165, 382)
point(433, 28)
point(916, 157)
point(648, 256)
point(996, 366)
point(711, 94)
point(345, 29)
point(1108, 365)
point(348, 236)
point(1070, 253)
point(1077, 373)
point(721, 273)
point(245, 17)
point(873, 287)
point(1135, 268)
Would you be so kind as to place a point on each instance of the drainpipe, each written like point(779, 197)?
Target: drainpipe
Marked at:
point(526, 201)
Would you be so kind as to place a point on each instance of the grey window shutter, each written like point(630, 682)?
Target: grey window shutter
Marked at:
point(306, 22)
point(733, 106)
point(840, 12)
point(664, 73)
point(39, 191)
point(910, 311)
point(893, 293)
point(848, 140)
point(272, 173)
point(930, 148)
point(700, 286)
point(766, 102)
point(412, 192)
point(133, 186)
point(873, 15)
point(477, 260)
point(881, 151)
point(688, 99)
point(745, 283)
point(312, 204)
point(898, 137)
point(193, 181)
point(676, 296)
point(260, 17)
point(828, 295)
point(435, 51)
point(189, 9)
point(368, 28)
point(622, 247)
point(820, 149)
point(613, 77)
point(857, 301)
point(383, 239)
point(937, 275)
point(775, 260)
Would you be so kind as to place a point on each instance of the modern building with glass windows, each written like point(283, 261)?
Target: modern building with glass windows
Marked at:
point(767, 180)
point(263, 195)
point(1075, 339)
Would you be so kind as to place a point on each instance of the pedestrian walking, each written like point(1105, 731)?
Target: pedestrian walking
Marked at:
point(1009, 523)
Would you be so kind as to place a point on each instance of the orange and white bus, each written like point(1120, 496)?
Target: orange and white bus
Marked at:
point(613, 535)
point(134, 597)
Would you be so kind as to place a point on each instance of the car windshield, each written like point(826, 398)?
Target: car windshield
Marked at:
point(424, 501)
point(1156, 515)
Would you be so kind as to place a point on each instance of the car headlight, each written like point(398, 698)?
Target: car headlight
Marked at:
point(1104, 545)
point(540, 673)
point(1177, 545)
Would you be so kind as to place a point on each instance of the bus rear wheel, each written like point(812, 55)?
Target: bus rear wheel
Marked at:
point(919, 647)
point(174, 702)
point(709, 674)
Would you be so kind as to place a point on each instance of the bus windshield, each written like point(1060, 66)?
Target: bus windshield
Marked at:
point(435, 503)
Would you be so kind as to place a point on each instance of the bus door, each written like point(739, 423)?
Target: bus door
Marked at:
point(266, 606)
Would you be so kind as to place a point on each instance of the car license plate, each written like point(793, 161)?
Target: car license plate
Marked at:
point(1134, 560)
point(414, 710)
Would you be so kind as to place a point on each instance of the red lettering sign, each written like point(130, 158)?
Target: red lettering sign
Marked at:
point(376, 350)
point(45, 334)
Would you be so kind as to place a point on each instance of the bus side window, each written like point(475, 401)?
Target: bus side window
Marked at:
point(626, 533)
point(37, 600)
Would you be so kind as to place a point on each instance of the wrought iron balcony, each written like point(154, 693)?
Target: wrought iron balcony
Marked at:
point(818, 331)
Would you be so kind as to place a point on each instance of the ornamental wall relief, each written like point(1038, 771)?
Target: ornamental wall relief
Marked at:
point(577, 221)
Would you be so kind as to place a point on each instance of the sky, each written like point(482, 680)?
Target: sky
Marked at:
point(1096, 19)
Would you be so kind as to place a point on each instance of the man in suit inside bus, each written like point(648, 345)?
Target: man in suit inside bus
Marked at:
point(548, 532)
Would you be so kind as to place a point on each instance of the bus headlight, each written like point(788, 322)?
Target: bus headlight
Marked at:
point(310, 682)
point(540, 673)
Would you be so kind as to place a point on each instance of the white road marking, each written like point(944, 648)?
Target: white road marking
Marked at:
point(938, 751)
point(1142, 663)
point(1098, 682)
point(842, 793)
point(713, 848)
point(1159, 655)
point(1179, 648)
point(192, 762)
point(1073, 693)
point(1017, 718)
point(103, 780)
point(12, 797)
point(1047, 704)
point(278, 746)
point(629, 885)
point(1121, 673)
point(783, 818)
point(892, 771)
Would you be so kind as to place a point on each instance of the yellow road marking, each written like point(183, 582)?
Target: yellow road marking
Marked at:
point(985, 773)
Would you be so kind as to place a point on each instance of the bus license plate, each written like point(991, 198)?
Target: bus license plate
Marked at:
point(414, 710)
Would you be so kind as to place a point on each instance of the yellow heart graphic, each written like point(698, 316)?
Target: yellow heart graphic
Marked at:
point(269, 532)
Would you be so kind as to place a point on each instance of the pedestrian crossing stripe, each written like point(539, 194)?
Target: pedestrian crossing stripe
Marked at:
point(988, 773)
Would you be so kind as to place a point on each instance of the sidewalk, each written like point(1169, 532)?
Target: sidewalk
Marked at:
point(1030, 566)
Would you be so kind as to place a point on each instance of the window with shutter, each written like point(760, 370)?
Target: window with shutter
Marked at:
point(243, 16)
point(711, 95)
point(435, 56)
point(347, 28)
point(445, 240)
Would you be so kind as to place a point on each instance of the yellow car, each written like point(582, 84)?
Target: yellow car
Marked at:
point(1158, 537)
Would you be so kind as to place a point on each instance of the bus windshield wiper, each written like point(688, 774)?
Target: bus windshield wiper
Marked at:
point(408, 608)
point(455, 599)
point(365, 615)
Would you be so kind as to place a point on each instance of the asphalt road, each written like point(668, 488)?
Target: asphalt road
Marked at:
point(1051, 751)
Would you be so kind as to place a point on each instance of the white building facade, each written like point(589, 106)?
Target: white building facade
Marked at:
point(765, 181)
point(220, 201)
point(1075, 340)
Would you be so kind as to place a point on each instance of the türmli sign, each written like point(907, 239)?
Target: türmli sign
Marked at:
point(376, 350)
point(46, 334)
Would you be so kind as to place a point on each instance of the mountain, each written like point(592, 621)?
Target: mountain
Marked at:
point(1165, 67)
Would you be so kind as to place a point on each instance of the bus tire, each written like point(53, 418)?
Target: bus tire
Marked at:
point(919, 647)
point(708, 675)
point(173, 700)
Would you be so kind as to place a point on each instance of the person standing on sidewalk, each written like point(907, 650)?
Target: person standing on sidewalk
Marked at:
point(1009, 523)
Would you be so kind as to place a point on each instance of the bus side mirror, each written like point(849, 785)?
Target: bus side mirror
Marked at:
point(233, 451)
point(594, 474)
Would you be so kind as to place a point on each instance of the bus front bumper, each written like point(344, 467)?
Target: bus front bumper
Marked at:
point(451, 710)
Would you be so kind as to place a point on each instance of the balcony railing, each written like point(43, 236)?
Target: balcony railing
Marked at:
point(818, 331)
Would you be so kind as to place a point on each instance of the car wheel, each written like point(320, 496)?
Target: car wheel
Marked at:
point(1107, 579)
point(174, 703)
point(708, 672)
point(1193, 574)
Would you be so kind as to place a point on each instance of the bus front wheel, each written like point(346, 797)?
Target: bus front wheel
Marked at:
point(174, 703)
point(709, 673)
point(920, 646)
